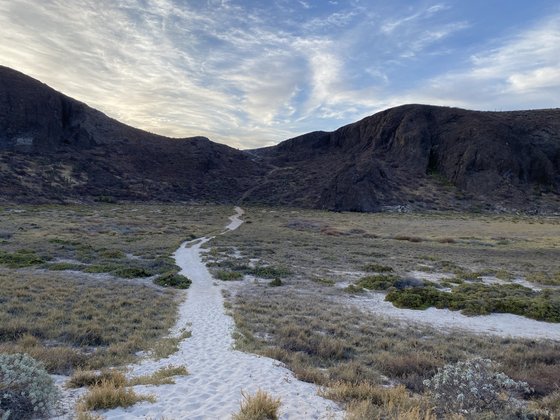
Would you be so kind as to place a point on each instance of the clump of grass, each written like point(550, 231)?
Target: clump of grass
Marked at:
point(131, 272)
point(107, 395)
point(62, 266)
point(377, 282)
point(377, 268)
point(352, 288)
point(163, 376)
point(102, 268)
point(322, 280)
point(173, 279)
point(408, 238)
point(260, 406)
point(275, 283)
point(446, 240)
point(227, 275)
point(546, 279)
point(365, 400)
point(21, 258)
point(81, 378)
point(112, 253)
point(269, 272)
point(167, 346)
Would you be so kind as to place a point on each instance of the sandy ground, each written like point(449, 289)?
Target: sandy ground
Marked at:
point(505, 325)
point(218, 374)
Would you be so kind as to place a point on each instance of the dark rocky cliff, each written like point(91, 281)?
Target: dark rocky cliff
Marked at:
point(424, 157)
point(54, 148)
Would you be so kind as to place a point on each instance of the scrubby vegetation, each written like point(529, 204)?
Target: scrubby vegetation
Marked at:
point(26, 390)
point(260, 406)
point(20, 258)
point(110, 395)
point(173, 279)
point(481, 299)
point(473, 387)
point(109, 322)
point(163, 376)
point(227, 275)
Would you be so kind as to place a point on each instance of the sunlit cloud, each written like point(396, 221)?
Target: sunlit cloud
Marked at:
point(250, 73)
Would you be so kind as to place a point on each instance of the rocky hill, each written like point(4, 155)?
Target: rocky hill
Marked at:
point(419, 156)
point(54, 148)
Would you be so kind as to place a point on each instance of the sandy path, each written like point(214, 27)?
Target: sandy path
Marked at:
point(218, 373)
point(504, 325)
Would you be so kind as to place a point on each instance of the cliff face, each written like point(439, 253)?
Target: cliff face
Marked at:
point(54, 148)
point(426, 157)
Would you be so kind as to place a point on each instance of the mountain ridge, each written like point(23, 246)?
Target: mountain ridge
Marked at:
point(418, 157)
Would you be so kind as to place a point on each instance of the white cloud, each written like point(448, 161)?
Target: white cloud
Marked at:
point(523, 71)
point(245, 77)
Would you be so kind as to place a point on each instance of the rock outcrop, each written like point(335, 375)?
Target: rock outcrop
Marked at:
point(54, 148)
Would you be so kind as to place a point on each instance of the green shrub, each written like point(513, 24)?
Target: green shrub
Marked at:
point(112, 253)
point(377, 268)
point(481, 299)
point(61, 266)
point(131, 272)
point(228, 275)
point(377, 282)
point(173, 279)
point(20, 259)
point(275, 283)
point(269, 272)
point(26, 389)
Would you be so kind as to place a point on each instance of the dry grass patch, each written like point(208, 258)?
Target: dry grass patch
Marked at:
point(107, 395)
point(260, 406)
point(81, 378)
point(366, 401)
point(167, 346)
point(163, 376)
point(107, 321)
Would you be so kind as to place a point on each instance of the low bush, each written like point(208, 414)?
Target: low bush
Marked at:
point(173, 279)
point(26, 389)
point(377, 282)
point(473, 387)
point(259, 406)
point(61, 266)
point(377, 268)
point(481, 299)
point(269, 272)
point(226, 275)
point(131, 272)
point(20, 259)
point(275, 283)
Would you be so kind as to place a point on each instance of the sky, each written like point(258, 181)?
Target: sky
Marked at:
point(251, 73)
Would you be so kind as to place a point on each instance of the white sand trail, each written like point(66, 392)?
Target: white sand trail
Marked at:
point(218, 373)
point(503, 325)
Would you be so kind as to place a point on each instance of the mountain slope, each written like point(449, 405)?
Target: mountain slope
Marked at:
point(422, 157)
point(53, 147)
